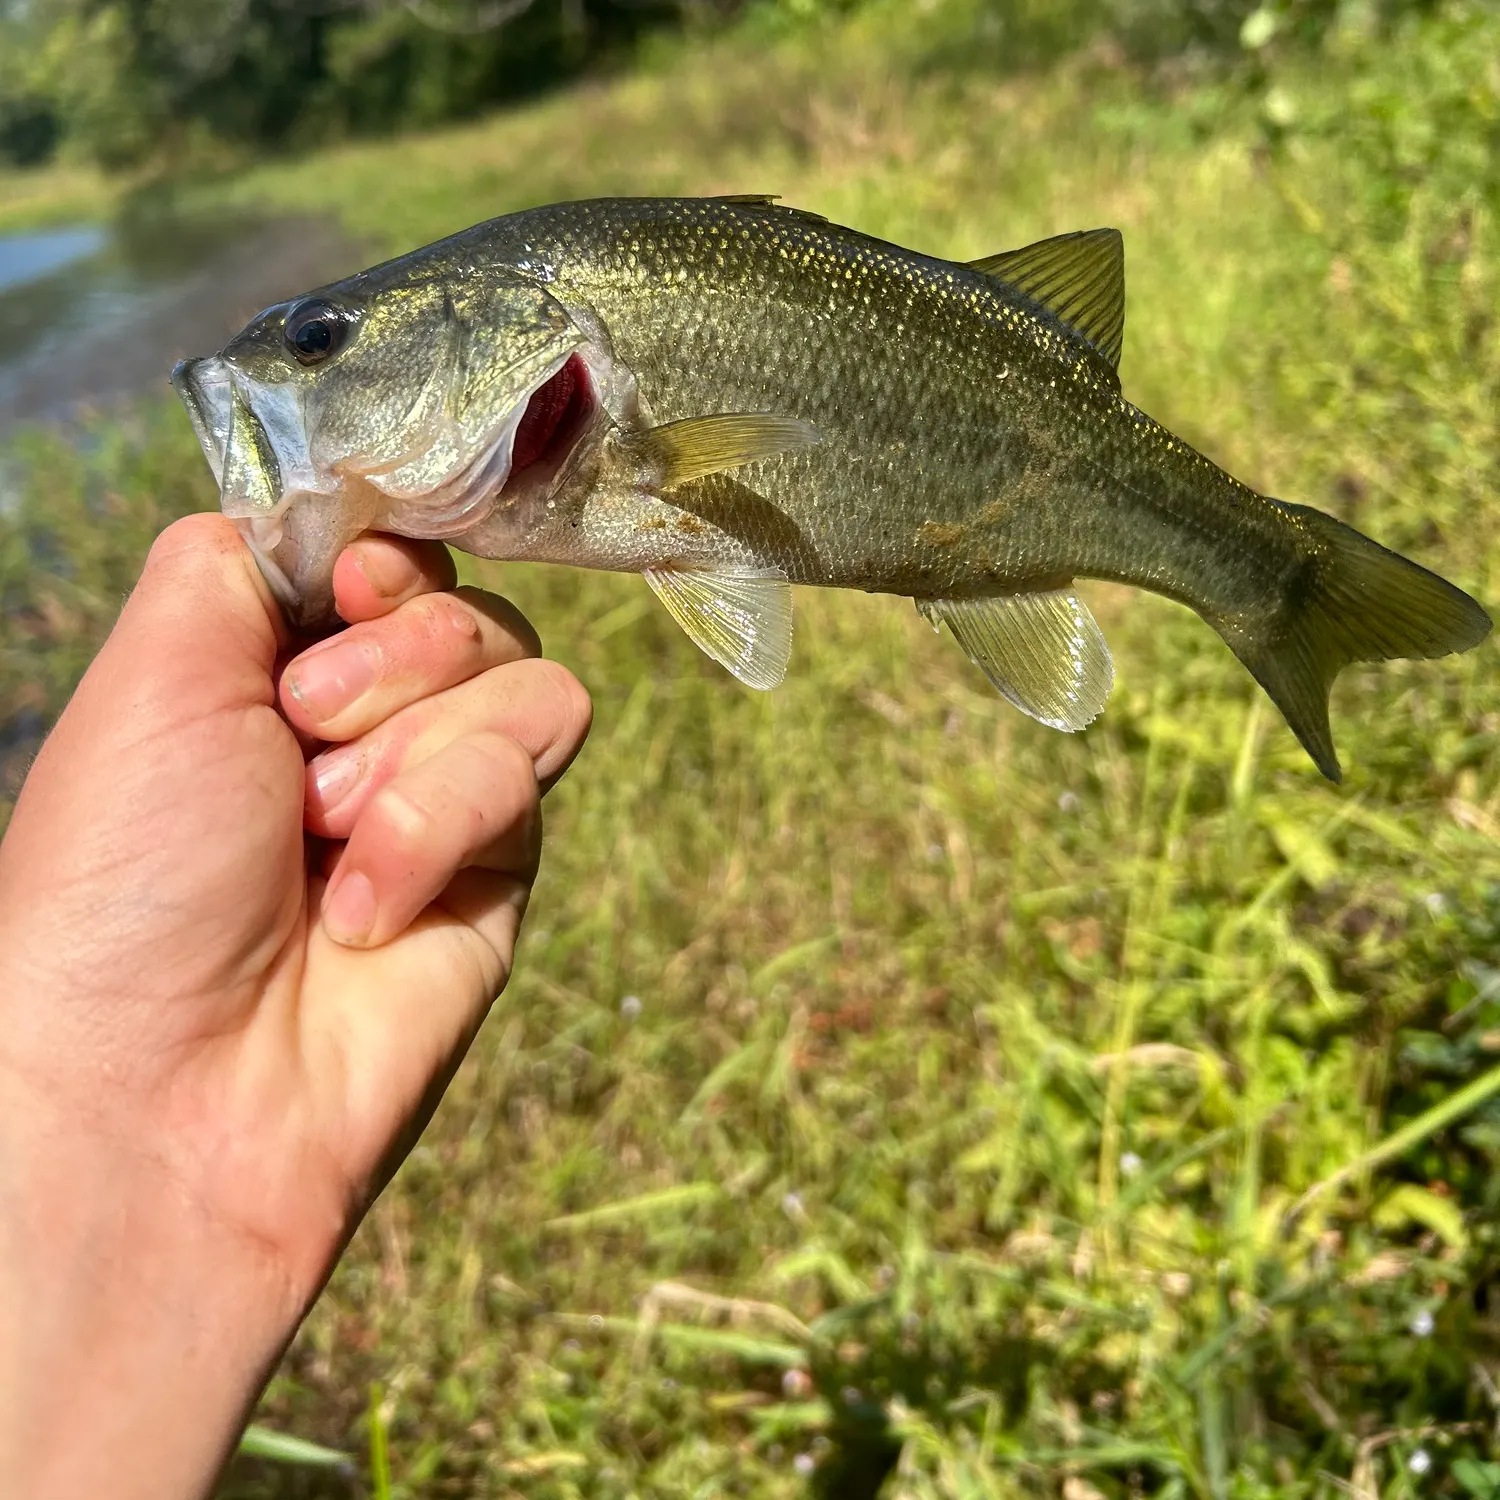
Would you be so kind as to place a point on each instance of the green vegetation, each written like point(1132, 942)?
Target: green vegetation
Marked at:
point(168, 82)
point(195, 84)
point(884, 1074)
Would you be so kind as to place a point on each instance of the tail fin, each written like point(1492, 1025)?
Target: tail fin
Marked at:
point(1352, 600)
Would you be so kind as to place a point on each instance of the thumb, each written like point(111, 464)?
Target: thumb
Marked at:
point(194, 649)
point(201, 629)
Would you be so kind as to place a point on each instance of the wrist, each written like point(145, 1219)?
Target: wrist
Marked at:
point(135, 1332)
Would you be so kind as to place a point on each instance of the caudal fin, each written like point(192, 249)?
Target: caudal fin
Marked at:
point(1352, 600)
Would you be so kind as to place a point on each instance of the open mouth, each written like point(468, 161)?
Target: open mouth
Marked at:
point(522, 460)
point(556, 415)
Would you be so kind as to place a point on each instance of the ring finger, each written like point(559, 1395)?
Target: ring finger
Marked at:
point(473, 804)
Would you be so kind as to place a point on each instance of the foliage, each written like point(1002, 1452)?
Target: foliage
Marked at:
point(165, 81)
point(180, 83)
point(892, 1092)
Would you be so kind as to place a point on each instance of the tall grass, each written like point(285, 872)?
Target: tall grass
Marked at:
point(892, 1091)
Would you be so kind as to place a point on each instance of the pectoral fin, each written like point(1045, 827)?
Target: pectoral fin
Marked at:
point(741, 619)
point(1044, 652)
point(699, 446)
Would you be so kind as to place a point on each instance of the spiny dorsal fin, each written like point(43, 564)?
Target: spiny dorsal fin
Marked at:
point(699, 446)
point(743, 619)
point(1080, 277)
point(1044, 652)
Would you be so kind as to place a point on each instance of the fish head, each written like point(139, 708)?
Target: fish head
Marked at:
point(391, 401)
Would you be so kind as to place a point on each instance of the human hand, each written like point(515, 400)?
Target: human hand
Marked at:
point(233, 986)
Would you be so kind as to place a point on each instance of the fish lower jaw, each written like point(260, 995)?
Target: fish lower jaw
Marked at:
point(263, 534)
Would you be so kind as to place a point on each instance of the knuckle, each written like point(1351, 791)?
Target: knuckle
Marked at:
point(504, 614)
point(191, 535)
point(439, 621)
point(507, 761)
point(406, 822)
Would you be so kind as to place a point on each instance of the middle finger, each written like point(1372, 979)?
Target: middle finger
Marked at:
point(537, 703)
point(346, 685)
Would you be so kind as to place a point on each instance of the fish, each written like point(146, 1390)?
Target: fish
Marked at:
point(730, 396)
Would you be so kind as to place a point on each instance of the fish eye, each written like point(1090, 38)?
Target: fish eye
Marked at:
point(316, 330)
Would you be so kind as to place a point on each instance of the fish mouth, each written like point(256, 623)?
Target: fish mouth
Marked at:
point(554, 419)
point(254, 436)
point(254, 439)
point(203, 387)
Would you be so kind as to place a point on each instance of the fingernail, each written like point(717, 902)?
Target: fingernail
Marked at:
point(388, 571)
point(349, 908)
point(326, 682)
point(334, 776)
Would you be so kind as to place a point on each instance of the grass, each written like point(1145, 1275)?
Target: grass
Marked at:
point(59, 195)
point(892, 1092)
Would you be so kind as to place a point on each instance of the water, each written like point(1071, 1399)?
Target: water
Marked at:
point(27, 257)
point(88, 317)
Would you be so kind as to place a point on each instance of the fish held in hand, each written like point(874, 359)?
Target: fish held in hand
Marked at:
point(728, 396)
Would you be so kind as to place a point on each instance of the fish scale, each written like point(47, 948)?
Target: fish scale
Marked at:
point(777, 399)
point(905, 442)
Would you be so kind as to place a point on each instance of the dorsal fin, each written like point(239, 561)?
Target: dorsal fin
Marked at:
point(773, 201)
point(1079, 277)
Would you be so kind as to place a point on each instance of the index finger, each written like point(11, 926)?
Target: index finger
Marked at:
point(376, 573)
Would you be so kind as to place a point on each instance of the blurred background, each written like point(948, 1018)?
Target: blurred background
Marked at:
point(894, 1098)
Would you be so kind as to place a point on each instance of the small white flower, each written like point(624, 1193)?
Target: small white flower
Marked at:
point(791, 1206)
point(804, 1464)
point(1421, 1323)
point(1435, 902)
point(1130, 1163)
point(630, 1007)
point(1067, 802)
point(1420, 1461)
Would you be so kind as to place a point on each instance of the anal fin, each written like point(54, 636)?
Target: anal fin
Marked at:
point(743, 619)
point(1044, 652)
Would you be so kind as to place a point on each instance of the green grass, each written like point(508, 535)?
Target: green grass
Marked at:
point(37, 199)
point(1095, 1115)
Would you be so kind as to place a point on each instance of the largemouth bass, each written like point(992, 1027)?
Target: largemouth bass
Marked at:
point(729, 396)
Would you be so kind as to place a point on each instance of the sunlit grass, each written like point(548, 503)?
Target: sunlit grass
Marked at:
point(1011, 1101)
point(43, 197)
